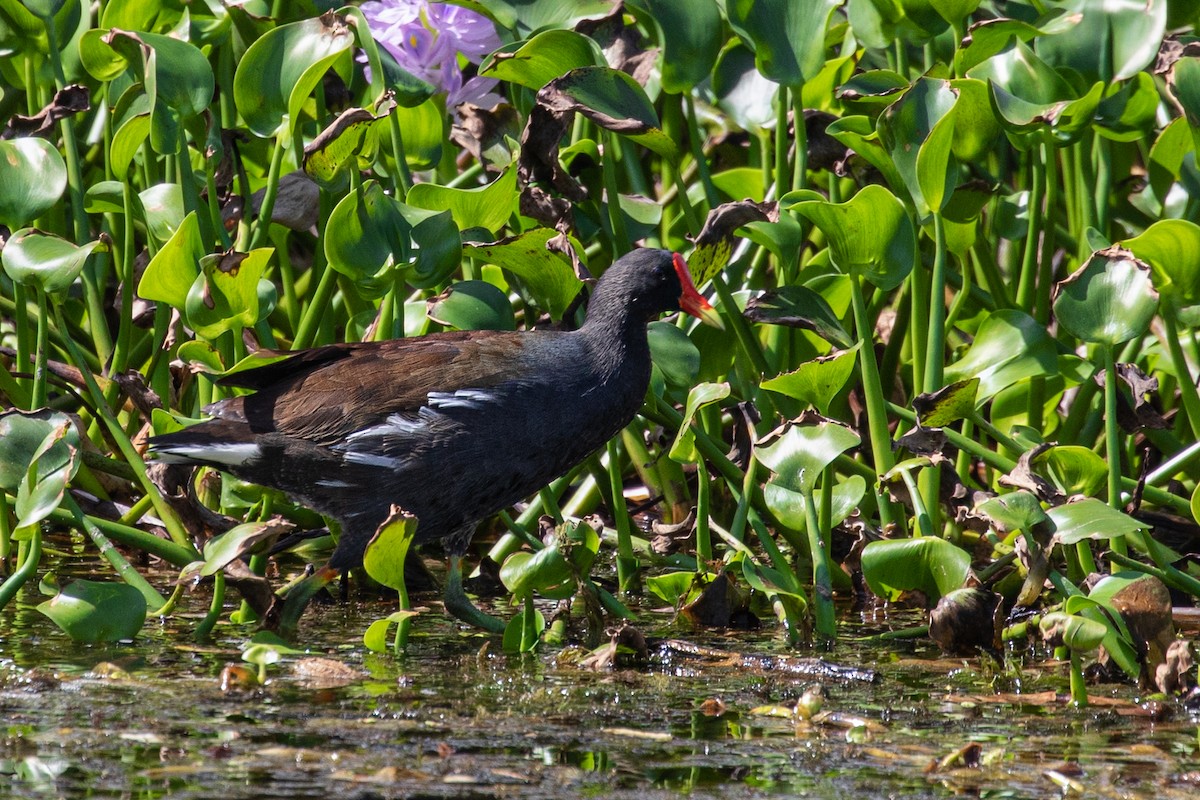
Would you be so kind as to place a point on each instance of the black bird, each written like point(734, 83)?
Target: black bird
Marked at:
point(451, 427)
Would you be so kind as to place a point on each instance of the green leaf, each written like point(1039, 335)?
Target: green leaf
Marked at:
point(1172, 249)
point(367, 238)
point(385, 554)
point(1075, 470)
point(952, 402)
point(279, 71)
point(375, 638)
point(545, 571)
point(91, 611)
point(673, 353)
point(473, 306)
point(547, 274)
point(1091, 519)
point(614, 101)
point(788, 505)
point(246, 539)
point(523, 632)
point(32, 179)
point(1009, 346)
point(484, 207)
point(164, 211)
point(53, 463)
point(818, 381)
point(741, 90)
point(1078, 634)
point(1109, 300)
point(224, 296)
point(1131, 30)
point(799, 307)
point(23, 436)
point(423, 127)
point(926, 564)
point(46, 261)
point(918, 131)
point(870, 234)
point(858, 133)
point(535, 15)
point(788, 38)
point(548, 55)
point(1019, 510)
point(798, 451)
point(691, 36)
point(674, 588)
point(683, 449)
point(173, 269)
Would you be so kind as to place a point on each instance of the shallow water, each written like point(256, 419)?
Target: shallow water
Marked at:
point(456, 718)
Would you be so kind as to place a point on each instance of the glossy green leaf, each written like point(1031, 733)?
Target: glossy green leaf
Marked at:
point(798, 452)
point(818, 381)
point(524, 630)
point(532, 16)
point(1079, 634)
point(163, 208)
point(952, 402)
point(1019, 510)
point(375, 638)
point(799, 307)
point(473, 306)
point(1009, 346)
point(280, 70)
point(1109, 300)
point(545, 571)
point(548, 55)
point(858, 133)
point(1131, 31)
point(46, 261)
point(683, 449)
point(768, 580)
point(926, 564)
point(1075, 470)
point(788, 505)
point(547, 274)
point(23, 439)
point(1185, 82)
point(92, 611)
point(385, 554)
point(741, 90)
point(1091, 519)
point(32, 179)
point(486, 207)
point(367, 238)
point(691, 36)
point(674, 353)
point(788, 38)
point(918, 131)
point(674, 588)
point(870, 234)
point(238, 542)
point(423, 127)
point(173, 269)
point(224, 296)
point(992, 36)
point(1172, 249)
point(873, 87)
point(1128, 112)
point(614, 101)
point(41, 474)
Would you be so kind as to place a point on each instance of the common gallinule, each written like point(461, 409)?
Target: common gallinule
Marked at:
point(452, 427)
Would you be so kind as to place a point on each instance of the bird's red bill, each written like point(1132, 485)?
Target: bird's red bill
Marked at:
point(691, 300)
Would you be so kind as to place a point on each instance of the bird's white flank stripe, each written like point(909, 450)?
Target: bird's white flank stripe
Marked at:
point(231, 454)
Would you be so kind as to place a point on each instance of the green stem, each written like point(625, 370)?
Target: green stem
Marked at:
point(627, 563)
point(41, 354)
point(311, 321)
point(800, 168)
point(130, 454)
point(621, 243)
point(822, 581)
point(881, 443)
point(267, 210)
point(30, 554)
point(215, 606)
point(703, 505)
point(696, 142)
point(779, 151)
point(1187, 383)
point(123, 568)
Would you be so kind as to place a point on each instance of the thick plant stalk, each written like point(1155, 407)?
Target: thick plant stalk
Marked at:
point(627, 563)
point(881, 443)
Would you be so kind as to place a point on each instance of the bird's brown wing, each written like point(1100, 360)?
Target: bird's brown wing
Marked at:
point(325, 394)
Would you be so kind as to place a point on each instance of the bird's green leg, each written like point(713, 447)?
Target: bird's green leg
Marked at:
point(457, 603)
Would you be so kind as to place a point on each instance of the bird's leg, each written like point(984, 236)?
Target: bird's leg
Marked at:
point(460, 606)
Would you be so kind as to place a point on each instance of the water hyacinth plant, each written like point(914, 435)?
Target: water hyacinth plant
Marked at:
point(954, 247)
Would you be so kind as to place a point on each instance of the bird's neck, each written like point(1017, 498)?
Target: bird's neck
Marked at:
point(615, 332)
